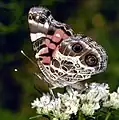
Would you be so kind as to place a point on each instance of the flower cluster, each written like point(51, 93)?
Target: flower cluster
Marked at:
point(61, 107)
point(92, 98)
point(113, 100)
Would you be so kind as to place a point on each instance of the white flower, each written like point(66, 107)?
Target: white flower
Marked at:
point(62, 115)
point(83, 97)
point(98, 92)
point(39, 110)
point(118, 90)
point(55, 119)
point(70, 101)
point(45, 99)
point(95, 93)
point(113, 101)
point(62, 107)
point(43, 105)
point(35, 103)
point(89, 108)
point(92, 96)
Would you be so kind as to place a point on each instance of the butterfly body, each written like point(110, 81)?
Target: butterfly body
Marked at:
point(63, 57)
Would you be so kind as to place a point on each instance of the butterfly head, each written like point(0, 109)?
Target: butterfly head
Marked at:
point(38, 19)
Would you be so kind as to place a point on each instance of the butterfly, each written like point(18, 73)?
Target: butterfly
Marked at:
point(64, 58)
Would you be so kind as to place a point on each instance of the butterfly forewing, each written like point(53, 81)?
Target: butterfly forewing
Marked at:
point(63, 57)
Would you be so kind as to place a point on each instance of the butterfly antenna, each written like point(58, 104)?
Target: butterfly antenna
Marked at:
point(38, 75)
point(32, 63)
point(29, 58)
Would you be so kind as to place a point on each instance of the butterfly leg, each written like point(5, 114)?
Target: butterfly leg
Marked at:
point(38, 75)
point(69, 89)
point(51, 91)
point(50, 88)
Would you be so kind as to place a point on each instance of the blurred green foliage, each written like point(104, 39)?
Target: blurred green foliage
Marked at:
point(96, 18)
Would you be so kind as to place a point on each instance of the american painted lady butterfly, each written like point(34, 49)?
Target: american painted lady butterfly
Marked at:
point(63, 57)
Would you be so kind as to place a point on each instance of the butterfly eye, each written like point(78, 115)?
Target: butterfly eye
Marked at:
point(77, 48)
point(91, 60)
point(48, 13)
point(42, 20)
point(34, 16)
point(30, 16)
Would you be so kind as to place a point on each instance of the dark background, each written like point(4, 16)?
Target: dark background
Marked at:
point(96, 18)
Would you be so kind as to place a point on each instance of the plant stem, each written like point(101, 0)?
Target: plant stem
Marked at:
point(80, 116)
point(108, 115)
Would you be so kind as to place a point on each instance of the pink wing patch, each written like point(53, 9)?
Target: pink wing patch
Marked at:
point(58, 36)
point(49, 44)
point(50, 41)
point(46, 59)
